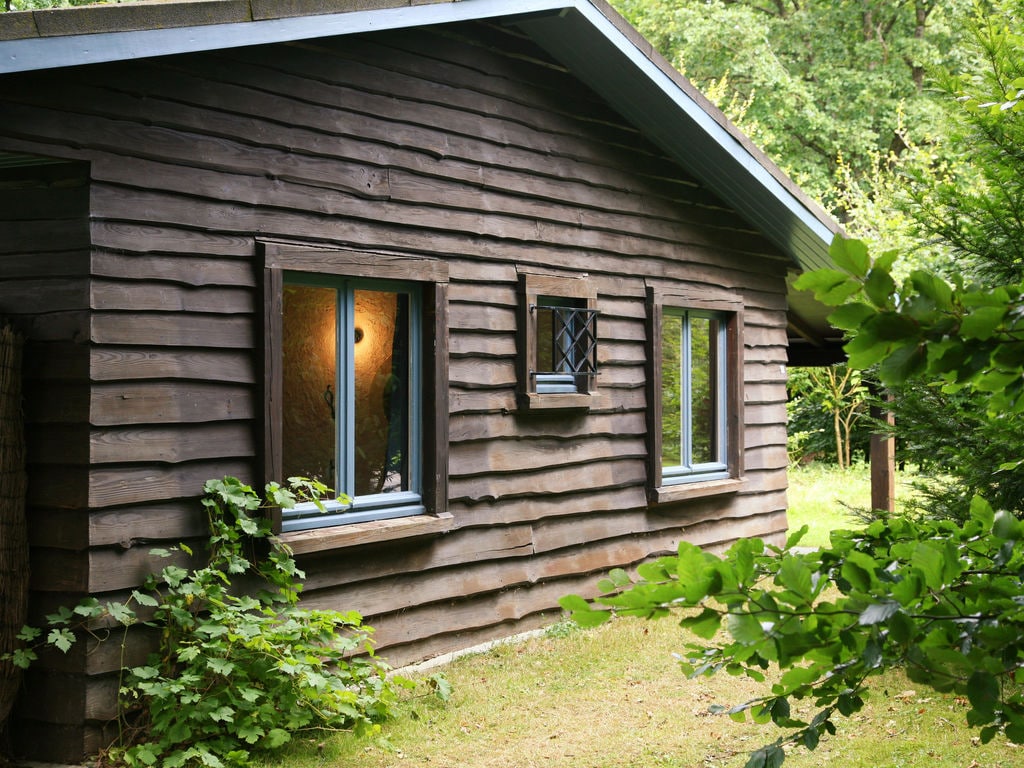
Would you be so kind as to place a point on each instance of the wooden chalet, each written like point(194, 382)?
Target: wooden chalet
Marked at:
point(490, 267)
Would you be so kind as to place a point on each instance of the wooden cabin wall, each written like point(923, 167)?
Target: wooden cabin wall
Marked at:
point(44, 291)
point(461, 143)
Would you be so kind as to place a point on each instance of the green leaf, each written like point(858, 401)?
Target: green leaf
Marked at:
point(830, 286)
point(982, 322)
point(851, 255)
point(879, 288)
point(61, 638)
point(876, 613)
point(745, 628)
point(771, 756)
point(220, 666)
point(934, 287)
point(23, 657)
point(850, 317)
point(705, 625)
point(811, 737)
point(278, 737)
point(1005, 526)
point(582, 612)
point(983, 692)
point(865, 349)
point(143, 599)
point(795, 576)
point(903, 364)
point(796, 677)
point(856, 572)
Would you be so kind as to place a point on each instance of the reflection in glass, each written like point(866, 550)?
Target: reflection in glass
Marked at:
point(692, 377)
point(381, 392)
point(309, 346)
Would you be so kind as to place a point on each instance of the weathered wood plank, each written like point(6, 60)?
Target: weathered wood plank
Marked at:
point(108, 295)
point(465, 428)
point(185, 402)
point(481, 346)
point(122, 363)
point(21, 297)
point(181, 267)
point(185, 329)
point(125, 237)
point(172, 445)
point(367, 564)
point(598, 476)
point(515, 456)
point(146, 484)
point(535, 508)
point(53, 264)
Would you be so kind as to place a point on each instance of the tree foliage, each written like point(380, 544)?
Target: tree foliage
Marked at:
point(826, 406)
point(940, 598)
point(815, 83)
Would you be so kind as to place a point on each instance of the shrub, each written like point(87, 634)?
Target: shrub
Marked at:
point(239, 669)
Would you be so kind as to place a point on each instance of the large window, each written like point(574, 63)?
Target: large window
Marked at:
point(352, 396)
point(695, 408)
point(557, 342)
point(357, 383)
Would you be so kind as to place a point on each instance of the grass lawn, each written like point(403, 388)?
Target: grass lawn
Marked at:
point(613, 697)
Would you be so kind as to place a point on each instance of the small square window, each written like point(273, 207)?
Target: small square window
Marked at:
point(557, 342)
point(566, 345)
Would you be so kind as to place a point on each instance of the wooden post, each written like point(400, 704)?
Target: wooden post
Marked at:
point(883, 463)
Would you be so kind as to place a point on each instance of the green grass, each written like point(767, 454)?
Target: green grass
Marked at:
point(614, 697)
point(827, 499)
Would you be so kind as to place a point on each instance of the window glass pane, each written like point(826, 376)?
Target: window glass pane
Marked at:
point(309, 349)
point(381, 392)
point(704, 388)
point(545, 335)
point(671, 390)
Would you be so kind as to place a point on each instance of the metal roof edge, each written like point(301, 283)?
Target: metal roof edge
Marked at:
point(41, 51)
point(795, 222)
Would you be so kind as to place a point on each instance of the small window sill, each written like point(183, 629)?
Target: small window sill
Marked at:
point(669, 494)
point(533, 401)
point(372, 532)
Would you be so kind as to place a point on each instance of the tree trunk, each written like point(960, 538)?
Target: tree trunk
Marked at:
point(839, 438)
point(13, 529)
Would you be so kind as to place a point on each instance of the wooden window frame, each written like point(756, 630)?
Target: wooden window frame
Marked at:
point(730, 311)
point(432, 277)
point(531, 288)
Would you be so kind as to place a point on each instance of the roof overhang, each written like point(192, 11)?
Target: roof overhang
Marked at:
point(586, 36)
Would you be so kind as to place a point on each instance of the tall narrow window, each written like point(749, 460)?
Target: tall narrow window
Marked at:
point(351, 408)
point(694, 395)
point(694, 373)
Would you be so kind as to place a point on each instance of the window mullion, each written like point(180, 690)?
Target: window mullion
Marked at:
point(686, 394)
point(346, 420)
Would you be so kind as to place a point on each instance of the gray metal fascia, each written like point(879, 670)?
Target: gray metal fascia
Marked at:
point(37, 53)
point(746, 171)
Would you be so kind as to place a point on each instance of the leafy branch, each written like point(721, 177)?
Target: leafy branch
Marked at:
point(937, 598)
